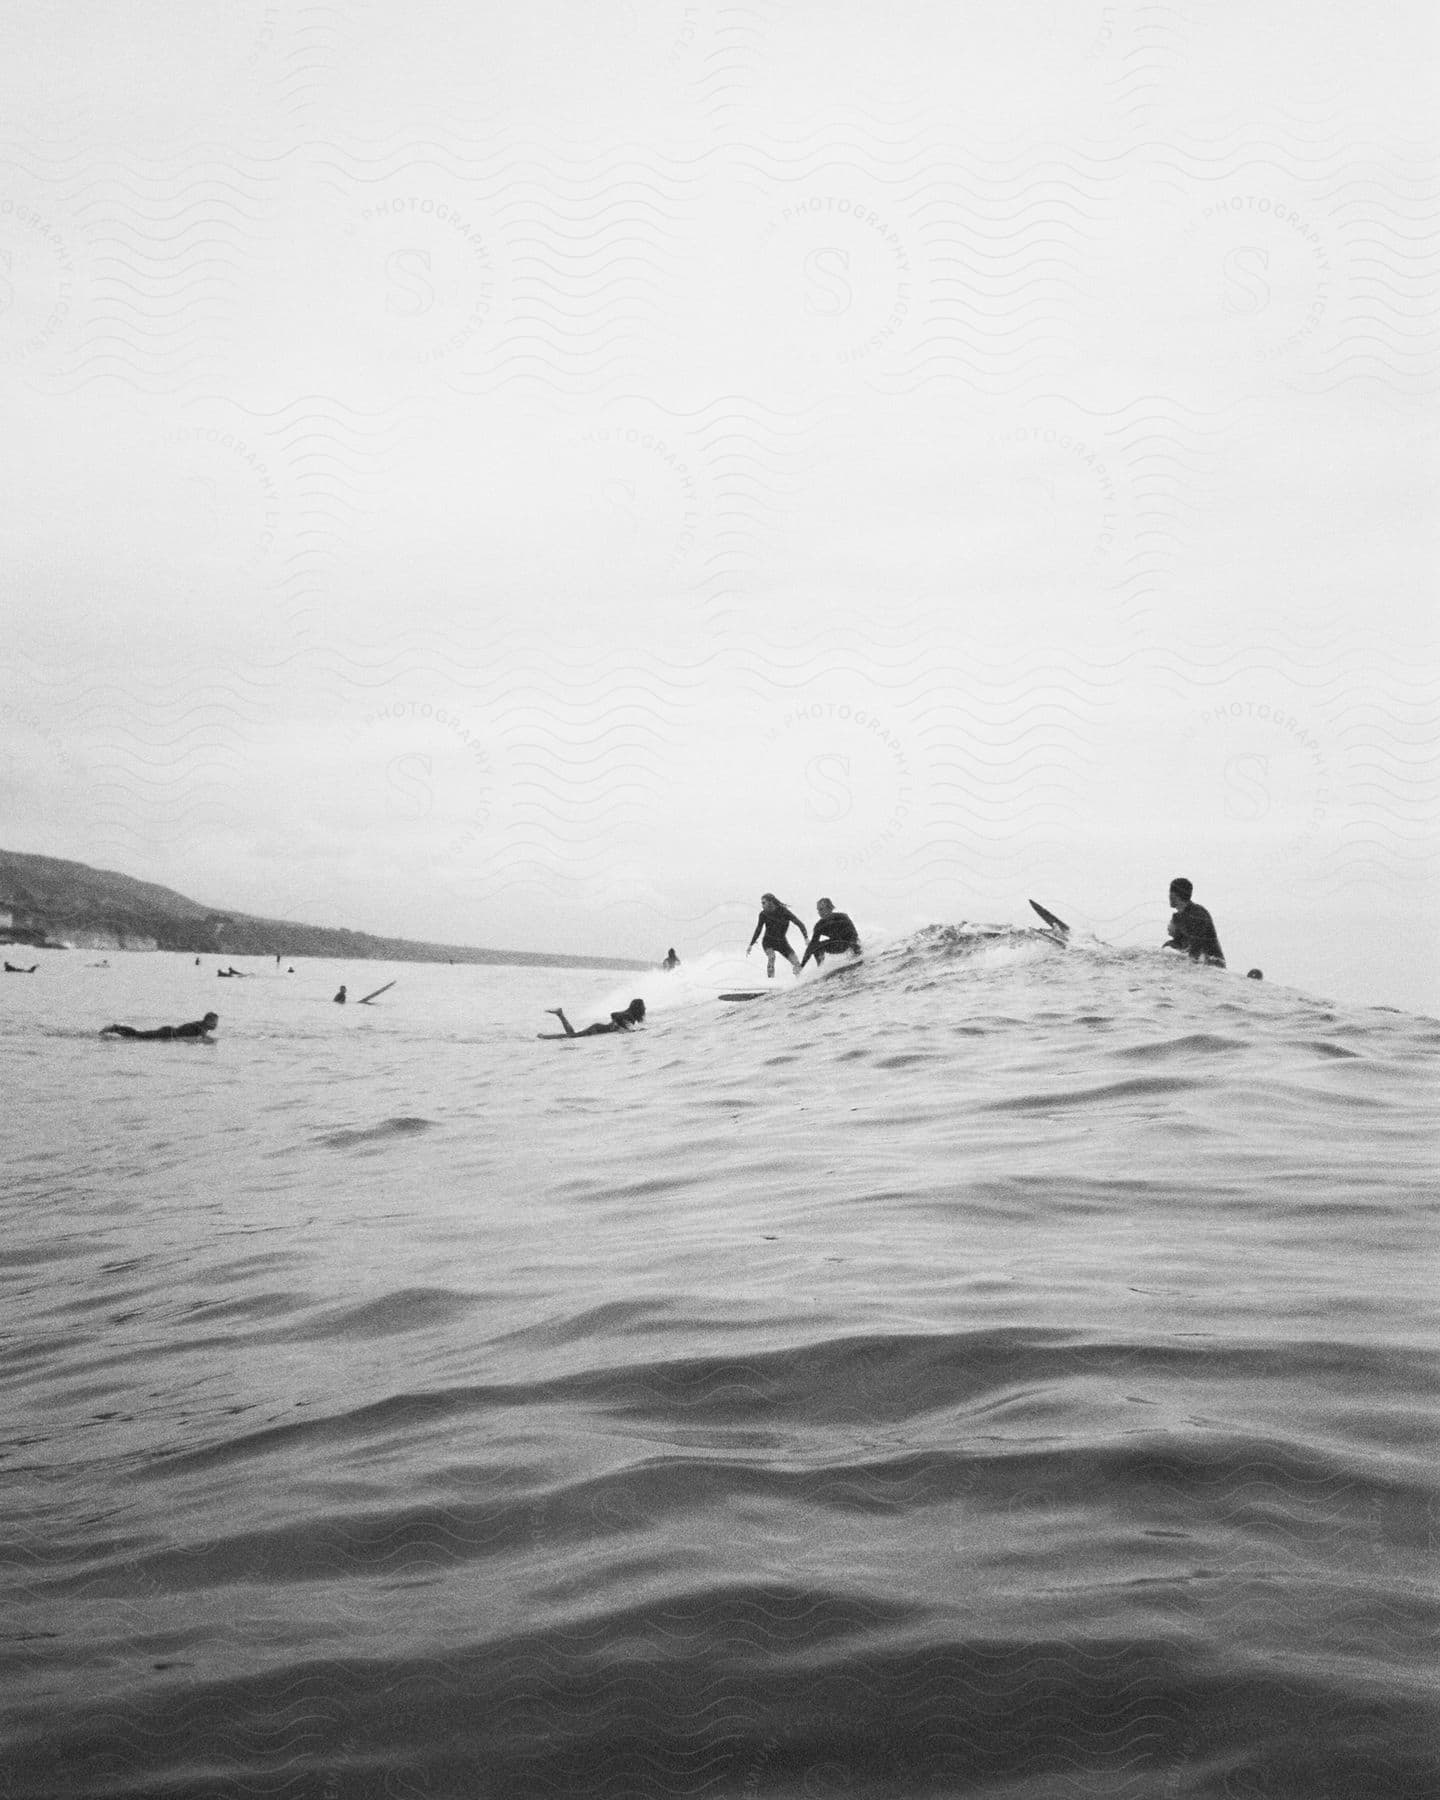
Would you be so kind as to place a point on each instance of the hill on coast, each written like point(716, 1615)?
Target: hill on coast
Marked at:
point(51, 902)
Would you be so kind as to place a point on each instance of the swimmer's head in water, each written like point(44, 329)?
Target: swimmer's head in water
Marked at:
point(1254, 975)
point(1181, 887)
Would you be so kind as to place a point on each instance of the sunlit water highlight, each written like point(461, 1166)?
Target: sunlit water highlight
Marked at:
point(1000, 1372)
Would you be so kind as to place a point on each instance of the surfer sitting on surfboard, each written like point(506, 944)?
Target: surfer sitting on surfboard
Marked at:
point(619, 1021)
point(775, 921)
point(197, 1028)
point(834, 932)
point(1191, 927)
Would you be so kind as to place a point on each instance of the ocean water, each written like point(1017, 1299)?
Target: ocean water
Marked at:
point(1001, 1371)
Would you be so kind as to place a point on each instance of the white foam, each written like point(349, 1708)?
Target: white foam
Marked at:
point(697, 979)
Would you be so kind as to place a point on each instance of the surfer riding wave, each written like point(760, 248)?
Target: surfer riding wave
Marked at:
point(834, 932)
point(775, 921)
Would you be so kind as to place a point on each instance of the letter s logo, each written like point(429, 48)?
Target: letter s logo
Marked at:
point(414, 792)
point(1248, 294)
point(1247, 787)
point(206, 492)
point(829, 777)
point(412, 267)
point(621, 495)
point(1038, 492)
point(828, 293)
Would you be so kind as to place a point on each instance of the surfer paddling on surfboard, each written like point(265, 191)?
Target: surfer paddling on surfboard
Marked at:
point(775, 921)
point(834, 932)
point(197, 1028)
point(633, 1014)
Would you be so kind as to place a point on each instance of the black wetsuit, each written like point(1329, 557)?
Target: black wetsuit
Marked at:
point(197, 1028)
point(618, 1021)
point(835, 932)
point(1193, 930)
point(776, 926)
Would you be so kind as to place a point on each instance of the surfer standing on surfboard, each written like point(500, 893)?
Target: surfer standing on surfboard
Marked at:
point(775, 921)
point(834, 932)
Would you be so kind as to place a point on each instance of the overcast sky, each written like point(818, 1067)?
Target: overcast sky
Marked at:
point(539, 475)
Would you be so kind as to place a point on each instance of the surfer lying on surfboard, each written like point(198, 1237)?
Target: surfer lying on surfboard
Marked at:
point(834, 932)
point(633, 1014)
point(197, 1028)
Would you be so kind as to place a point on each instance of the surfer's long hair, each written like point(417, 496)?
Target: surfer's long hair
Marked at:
point(776, 905)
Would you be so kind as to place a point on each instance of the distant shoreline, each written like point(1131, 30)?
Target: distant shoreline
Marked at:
point(47, 902)
point(496, 959)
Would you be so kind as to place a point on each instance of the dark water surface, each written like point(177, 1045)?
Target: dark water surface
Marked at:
point(999, 1373)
